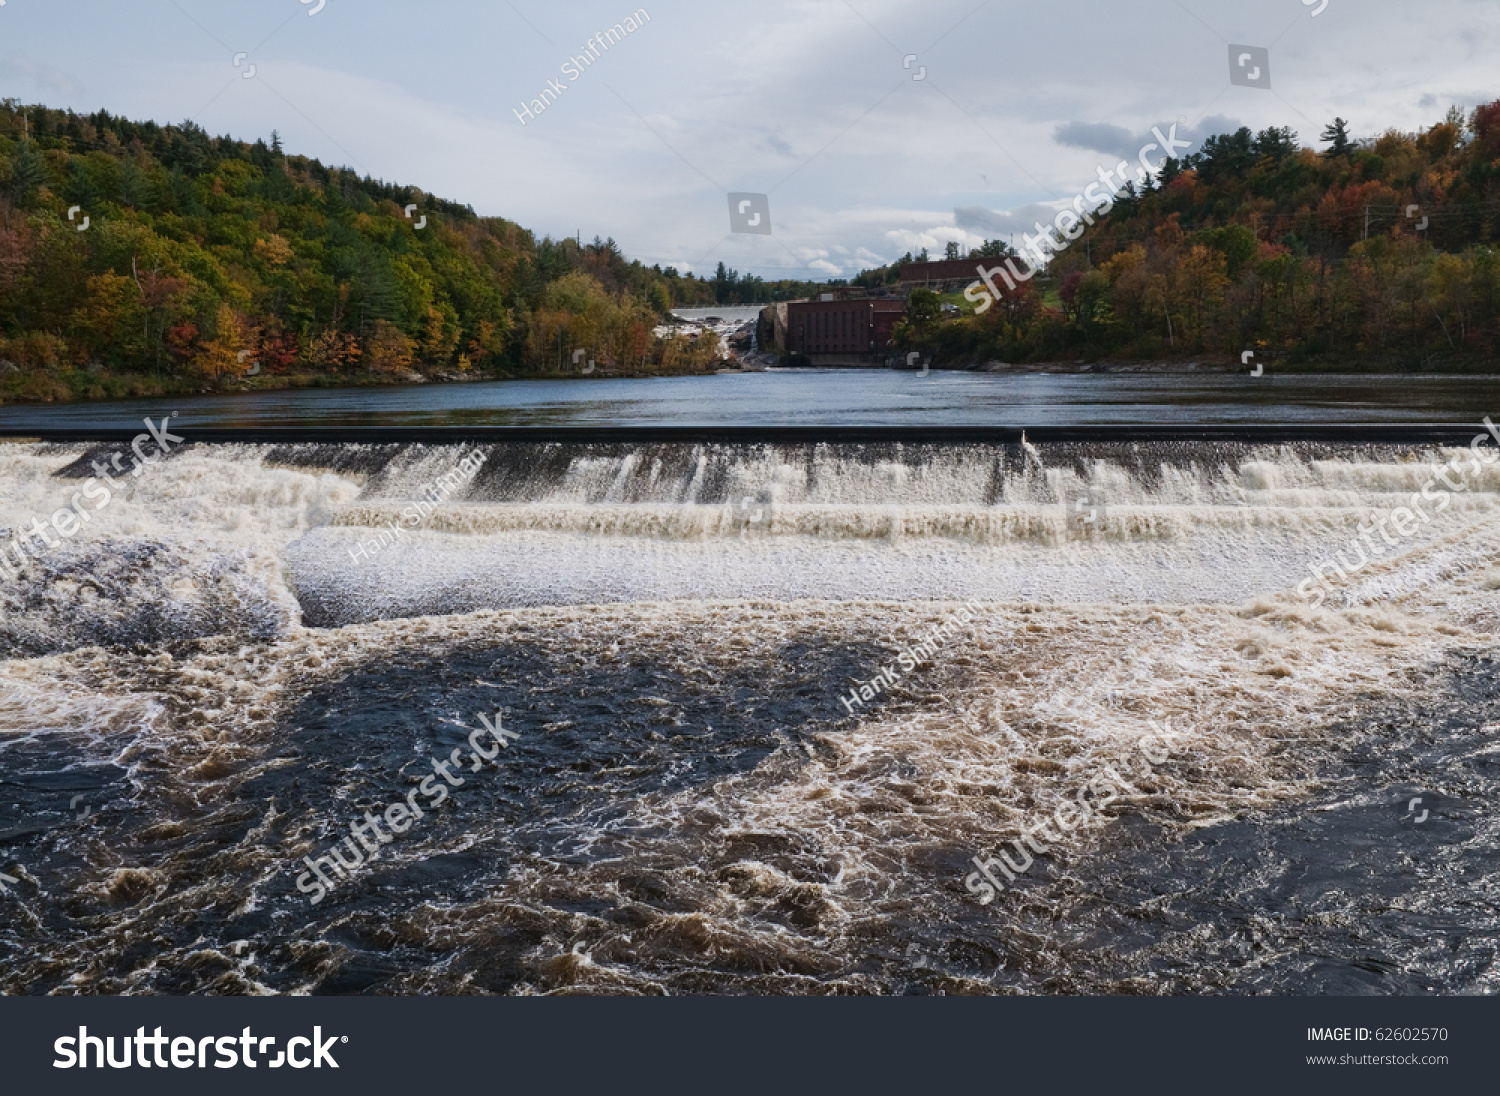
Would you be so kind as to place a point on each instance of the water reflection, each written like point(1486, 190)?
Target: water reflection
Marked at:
point(821, 397)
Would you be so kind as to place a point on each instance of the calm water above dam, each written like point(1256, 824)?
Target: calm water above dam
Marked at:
point(832, 397)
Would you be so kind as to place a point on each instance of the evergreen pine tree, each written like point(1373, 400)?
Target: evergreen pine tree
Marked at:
point(27, 171)
point(1337, 132)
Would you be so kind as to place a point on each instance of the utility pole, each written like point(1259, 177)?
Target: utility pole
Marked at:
point(1367, 223)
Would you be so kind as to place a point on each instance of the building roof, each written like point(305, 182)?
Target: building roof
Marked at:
point(944, 270)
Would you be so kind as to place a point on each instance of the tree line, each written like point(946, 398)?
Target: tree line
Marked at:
point(1379, 252)
point(204, 255)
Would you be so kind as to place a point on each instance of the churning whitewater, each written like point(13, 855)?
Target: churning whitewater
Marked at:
point(207, 681)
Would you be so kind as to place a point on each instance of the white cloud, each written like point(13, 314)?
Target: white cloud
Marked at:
point(802, 99)
point(21, 73)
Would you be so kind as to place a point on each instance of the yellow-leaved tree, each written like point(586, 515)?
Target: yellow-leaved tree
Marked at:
point(387, 350)
point(220, 356)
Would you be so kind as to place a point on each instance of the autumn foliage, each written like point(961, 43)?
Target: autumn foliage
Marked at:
point(1373, 253)
point(205, 256)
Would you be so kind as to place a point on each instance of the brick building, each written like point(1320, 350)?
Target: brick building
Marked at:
point(832, 332)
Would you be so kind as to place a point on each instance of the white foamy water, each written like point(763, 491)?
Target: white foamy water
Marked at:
point(248, 539)
point(192, 546)
point(645, 599)
point(869, 523)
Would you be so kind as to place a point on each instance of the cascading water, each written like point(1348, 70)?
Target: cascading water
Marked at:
point(250, 646)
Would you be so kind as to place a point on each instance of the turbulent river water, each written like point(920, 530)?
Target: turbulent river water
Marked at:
point(236, 657)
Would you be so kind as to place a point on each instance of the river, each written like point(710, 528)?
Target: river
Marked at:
point(834, 397)
point(773, 704)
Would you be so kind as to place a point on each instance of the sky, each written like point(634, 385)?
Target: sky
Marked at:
point(872, 127)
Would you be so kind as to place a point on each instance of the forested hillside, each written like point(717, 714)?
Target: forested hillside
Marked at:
point(1361, 254)
point(205, 255)
point(139, 258)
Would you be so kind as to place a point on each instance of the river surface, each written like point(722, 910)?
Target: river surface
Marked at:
point(767, 709)
point(831, 397)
